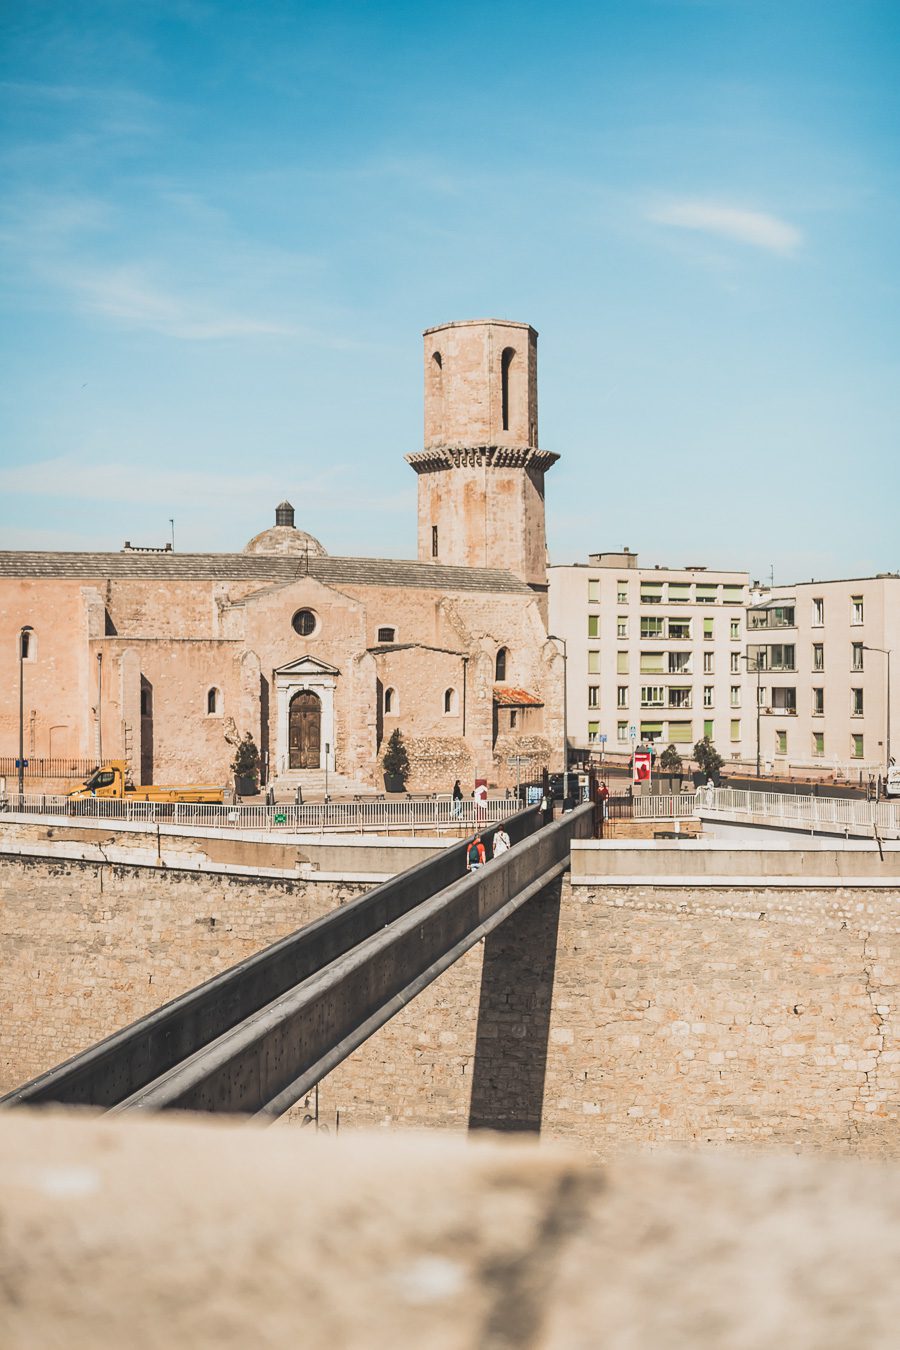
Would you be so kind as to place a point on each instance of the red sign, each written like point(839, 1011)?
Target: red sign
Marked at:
point(642, 766)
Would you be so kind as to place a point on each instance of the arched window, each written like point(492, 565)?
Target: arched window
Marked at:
point(26, 644)
point(500, 665)
point(506, 361)
point(391, 705)
point(213, 703)
point(449, 700)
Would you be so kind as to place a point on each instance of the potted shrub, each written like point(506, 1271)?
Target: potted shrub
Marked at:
point(671, 766)
point(246, 768)
point(709, 763)
point(395, 763)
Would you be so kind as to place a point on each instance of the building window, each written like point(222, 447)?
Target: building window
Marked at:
point(622, 593)
point(387, 634)
point(593, 730)
point(500, 665)
point(680, 630)
point(680, 696)
point(593, 592)
point(680, 733)
point(856, 703)
point(708, 630)
point(679, 593)
point(709, 663)
point(593, 626)
point(857, 746)
point(652, 696)
point(856, 609)
point(818, 613)
point(147, 704)
point(304, 622)
point(818, 702)
point(735, 630)
point(513, 718)
point(708, 696)
point(735, 662)
point(818, 655)
point(781, 742)
point(449, 700)
point(593, 663)
point(213, 702)
point(735, 728)
point(707, 595)
point(651, 627)
point(856, 656)
point(784, 699)
point(622, 696)
point(593, 696)
point(732, 595)
point(390, 702)
point(506, 361)
point(708, 729)
point(434, 541)
point(622, 663)
point(818, 742)
point(679, 663)
point(621, 731)
point(652, 663)
point(651, 592)
point(27, 645)
point(621, 626)
point(735, 696)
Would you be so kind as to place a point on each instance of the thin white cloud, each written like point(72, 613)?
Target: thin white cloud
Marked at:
point(70, 478)
point(757, 228)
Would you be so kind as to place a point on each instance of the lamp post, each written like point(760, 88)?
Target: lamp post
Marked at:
point(100, 707)
point(565, 657)
point(23, 648)
point(886, 652)
point(756, 666)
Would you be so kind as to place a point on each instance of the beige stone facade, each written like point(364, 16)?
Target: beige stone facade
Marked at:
point(167, 659)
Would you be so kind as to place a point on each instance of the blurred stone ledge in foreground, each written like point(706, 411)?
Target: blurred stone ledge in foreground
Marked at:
point(182, 1232)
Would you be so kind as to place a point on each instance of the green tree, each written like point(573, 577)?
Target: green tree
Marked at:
point(246, 761)
point(396, 760)
point(709, 761)
point(670, 761)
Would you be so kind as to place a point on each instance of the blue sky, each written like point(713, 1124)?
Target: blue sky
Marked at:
point(224, 226)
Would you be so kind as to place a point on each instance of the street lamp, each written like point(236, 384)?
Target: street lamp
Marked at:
point(565, 657)
point(24, 640)
point(757, 667)
point(885, 651)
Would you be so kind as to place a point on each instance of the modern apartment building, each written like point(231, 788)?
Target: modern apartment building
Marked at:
point(655, 650)
point(820, 653)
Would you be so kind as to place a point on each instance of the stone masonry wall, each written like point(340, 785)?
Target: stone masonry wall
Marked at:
point(87, 948)
point(606, 1016)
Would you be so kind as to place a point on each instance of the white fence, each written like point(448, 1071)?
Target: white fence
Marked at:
point(665, 806)
point(845, 812)
point(409, 813)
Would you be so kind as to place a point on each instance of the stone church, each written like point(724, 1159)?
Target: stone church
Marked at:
point(167, 659)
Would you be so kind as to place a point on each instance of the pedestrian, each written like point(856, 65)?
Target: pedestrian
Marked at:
point(501, 841)
point(475, 855)
point(457, 799)
point(480, 794)
point(603, 798)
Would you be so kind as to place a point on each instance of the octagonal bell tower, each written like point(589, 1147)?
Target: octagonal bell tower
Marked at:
point(481, 474)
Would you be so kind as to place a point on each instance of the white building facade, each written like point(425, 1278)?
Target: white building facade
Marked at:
point(653, 654)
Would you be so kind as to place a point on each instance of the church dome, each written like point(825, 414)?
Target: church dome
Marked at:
point(284, 538)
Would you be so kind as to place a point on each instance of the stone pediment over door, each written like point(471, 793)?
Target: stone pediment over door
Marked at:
point(305, 676)
point(306, 665)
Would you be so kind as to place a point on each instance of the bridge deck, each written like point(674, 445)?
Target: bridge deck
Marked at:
point(255, 1038)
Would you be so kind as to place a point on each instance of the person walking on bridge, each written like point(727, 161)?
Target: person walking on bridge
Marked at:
point(501, 841)
point(475, 855)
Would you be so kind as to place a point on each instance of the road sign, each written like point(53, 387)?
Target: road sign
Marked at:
point(603, 740)
point(21, 763)
point(632, 732)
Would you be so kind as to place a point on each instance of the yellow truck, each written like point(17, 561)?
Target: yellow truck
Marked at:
point(110, 782)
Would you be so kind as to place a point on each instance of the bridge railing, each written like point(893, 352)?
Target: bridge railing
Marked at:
point(787, 807)
point(312, 816)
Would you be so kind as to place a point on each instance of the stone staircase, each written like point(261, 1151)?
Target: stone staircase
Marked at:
point(312, 784)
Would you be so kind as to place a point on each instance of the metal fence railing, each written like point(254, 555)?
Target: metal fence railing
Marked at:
point(43, 767)
point(356, 815)
point(665, 806)
point(841, 811)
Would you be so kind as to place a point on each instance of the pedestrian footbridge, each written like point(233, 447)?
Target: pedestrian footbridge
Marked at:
point(256, 1038)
